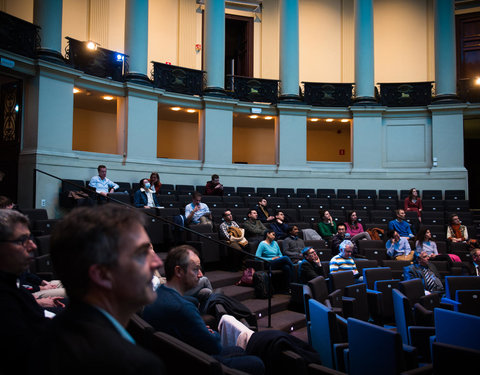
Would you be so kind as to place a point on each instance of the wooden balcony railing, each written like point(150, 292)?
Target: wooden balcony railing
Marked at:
point(328, 94)
point(408, 94)
point(99, 62)
point(252, 89)
point(18, 36)
point(177, 79)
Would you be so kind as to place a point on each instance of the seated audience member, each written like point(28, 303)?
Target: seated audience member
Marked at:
point(269, 250)
point(398, 248)
point(155, 182)
point(144, 196)
point(6, 203)
point(279, 226)
point(102, 256)
point(424, 270)
point(22, 320)
point(101, 183)
point(198, 212)
point(472, 267)
point(456, 232)
point(214, 187)
point(293, 245)
point(400, 225)
point(235, 238)
point(339, 237)
point(327, 226)
point(413, 203)
point(175, 315)
point(254, 228)
point(425, 243)
point(263, 211)
point(355, 229)
point(310, 267)
point(343, 261)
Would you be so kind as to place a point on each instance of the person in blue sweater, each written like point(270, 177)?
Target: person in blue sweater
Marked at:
point(400, 225)
point(269, 250)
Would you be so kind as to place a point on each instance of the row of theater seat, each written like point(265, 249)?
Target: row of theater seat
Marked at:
point(170, 189)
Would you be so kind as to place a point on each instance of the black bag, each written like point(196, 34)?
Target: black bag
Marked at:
point(262, 284)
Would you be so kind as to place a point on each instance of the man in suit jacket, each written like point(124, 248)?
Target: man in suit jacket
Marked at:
point(472, 267)
point(423, 269)
point(102, 256)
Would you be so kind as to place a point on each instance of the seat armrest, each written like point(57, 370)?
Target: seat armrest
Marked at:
point(339, 357)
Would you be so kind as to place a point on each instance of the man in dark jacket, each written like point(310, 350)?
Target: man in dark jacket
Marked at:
point(102, 256)
point(310, 267)
point(423, 269)
point(22, 320)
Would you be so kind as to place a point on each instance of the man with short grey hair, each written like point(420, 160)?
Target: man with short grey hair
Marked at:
point(22, 320)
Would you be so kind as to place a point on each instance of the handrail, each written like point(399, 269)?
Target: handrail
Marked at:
point(218, 242)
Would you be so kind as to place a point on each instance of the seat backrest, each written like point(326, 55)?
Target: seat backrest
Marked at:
point(322, 327)
point(469, 301)
point(342, 279)
point(455, 328)
point(403, 314)
point(454, 283)
point(373, 349)
point(35, 214)
point(67, 185)
point(181, 358)
point(319, 289)
point(464, 359)
point(140, 330)
point(412, 289)
point(370, 275)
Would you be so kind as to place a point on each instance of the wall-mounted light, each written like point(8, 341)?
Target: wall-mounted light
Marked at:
point(175, 108)
point(477, 81)
point(345, 120)
point(92, 45)
point(314, 119)
point(108, 97)
point(329, 120)
point(75, 90)
point(253, 116)
point(191, 110)
point(268, 117)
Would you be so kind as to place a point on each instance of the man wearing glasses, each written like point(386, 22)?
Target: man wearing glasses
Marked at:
point(22, 320)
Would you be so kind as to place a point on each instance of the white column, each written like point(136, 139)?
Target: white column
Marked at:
point(445, 64)
point(291, 133)
point(136, 39)
point(364, 55)
point(289, 48)
point(48, 15)
point(215, 45)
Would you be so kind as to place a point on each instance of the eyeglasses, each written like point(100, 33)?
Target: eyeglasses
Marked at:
point(23, 240)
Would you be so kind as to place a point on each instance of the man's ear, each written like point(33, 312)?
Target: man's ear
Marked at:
point(179, 272)
point(100, 275)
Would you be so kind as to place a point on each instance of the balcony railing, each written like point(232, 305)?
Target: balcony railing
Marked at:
point(18, 36)
point(252, 89)
point(98, 62)
point(406, 94)
point(177, 79)
point(328, 94)
point(469, 90)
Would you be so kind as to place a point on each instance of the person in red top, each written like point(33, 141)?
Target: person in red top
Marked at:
point(155, 183)
point(214, 187)
point(414, 203)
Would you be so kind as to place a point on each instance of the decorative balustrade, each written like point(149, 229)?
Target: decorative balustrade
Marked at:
point(407, 94)
point(469, 90)
point(250, 89)
point(18, 36)
point(98, 61)
point(328, 94)
point(177, 79)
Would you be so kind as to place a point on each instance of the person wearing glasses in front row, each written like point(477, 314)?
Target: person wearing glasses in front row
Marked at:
point(22, 319)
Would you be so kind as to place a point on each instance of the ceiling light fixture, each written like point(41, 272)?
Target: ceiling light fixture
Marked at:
point(108, 97)
point(345, 120)
point(75, 90)
point(253, 116)
point(329, 120)
point(191, 110)
point(268, 117)
point(314, 119)
point(176, 108)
